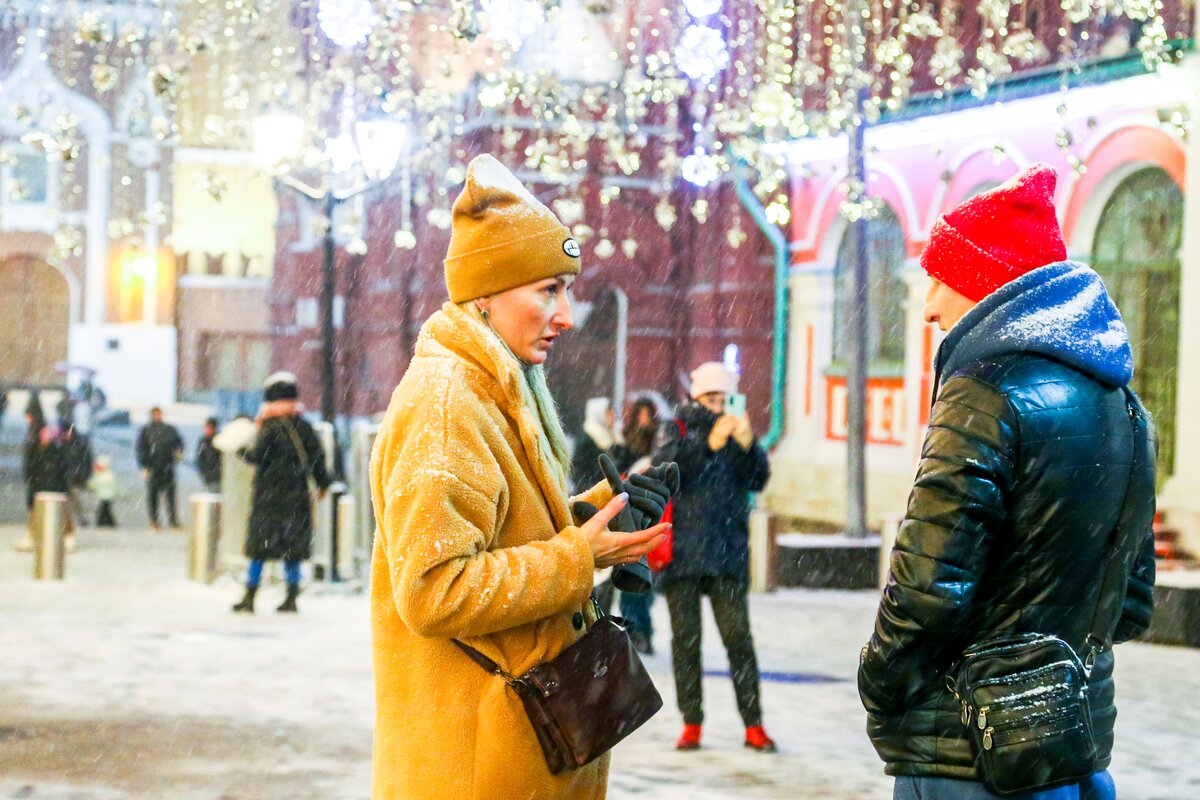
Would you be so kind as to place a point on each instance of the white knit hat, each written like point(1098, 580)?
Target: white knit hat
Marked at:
point(712, 376)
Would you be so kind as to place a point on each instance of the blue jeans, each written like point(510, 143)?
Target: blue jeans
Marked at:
point(635, 608)
point(1098, 787)
point(291, 571)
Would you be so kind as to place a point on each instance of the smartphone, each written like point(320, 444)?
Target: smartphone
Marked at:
point(735, 404)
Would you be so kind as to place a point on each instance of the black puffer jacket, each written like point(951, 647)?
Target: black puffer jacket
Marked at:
point(712, 511)
point(1020, 485)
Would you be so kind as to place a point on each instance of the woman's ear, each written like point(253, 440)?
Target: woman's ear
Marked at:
point(482, 304)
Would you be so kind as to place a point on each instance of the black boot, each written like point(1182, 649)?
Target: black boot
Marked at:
point(289, 605)
point(247, 603)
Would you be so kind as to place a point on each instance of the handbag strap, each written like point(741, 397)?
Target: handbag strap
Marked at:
point(297, 443)
point(491, 666)
point(1124, 545)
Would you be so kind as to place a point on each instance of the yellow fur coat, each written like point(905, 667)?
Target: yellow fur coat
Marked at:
point(475, 541)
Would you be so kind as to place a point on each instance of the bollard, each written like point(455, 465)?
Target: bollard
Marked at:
point(206, 535)
point(888, 533)
point(763, 551)
point(345, 537)
point(49, 527)
point(333, 501)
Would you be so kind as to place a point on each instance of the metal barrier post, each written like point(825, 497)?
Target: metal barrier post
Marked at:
point(344, 536)
point(206, 533)
point(323, 511)
point(49, 527)
point(887, 534)
point(362, 439)
point(763, 551)
point(337, 491)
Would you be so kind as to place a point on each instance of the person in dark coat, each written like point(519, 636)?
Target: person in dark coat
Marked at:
point(159, 449)
point(208, 458)
point(49, 471)
point(598, 437)
point(720, 464)
point(640, 432)
point(1019, 488)
point(287, 454)
point(77, 452)
point(33, 438)
point(34, 410)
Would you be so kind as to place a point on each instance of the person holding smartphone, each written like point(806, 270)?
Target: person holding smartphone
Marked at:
point(720, 464)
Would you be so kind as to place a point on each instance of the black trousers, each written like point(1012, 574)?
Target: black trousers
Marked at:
point(161, 483)
point(732, 613)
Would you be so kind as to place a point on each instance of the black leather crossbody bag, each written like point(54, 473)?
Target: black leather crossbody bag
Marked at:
point(1024, 696)
point(587, 698)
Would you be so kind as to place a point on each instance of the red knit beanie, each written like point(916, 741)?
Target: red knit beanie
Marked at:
point(997, 236)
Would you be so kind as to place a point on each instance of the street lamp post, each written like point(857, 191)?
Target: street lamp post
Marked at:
point(277, 139)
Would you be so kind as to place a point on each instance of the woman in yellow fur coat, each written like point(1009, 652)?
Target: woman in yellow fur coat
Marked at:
point(475, 536)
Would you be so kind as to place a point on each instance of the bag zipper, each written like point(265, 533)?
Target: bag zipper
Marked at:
point(990, 731)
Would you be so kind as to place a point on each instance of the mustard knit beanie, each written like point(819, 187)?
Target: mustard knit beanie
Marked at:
point(502, 236)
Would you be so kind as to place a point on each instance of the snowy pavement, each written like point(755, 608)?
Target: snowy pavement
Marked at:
point(126, 681)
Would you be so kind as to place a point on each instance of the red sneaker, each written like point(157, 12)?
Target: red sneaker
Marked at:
point(757, 739)
point(690, 740)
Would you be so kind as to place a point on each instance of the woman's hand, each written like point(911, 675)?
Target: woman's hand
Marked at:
point(610, 548)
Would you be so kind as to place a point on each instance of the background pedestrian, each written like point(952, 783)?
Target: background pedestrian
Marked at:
point(105, 487)
point(159, 449)
point(599, 436)
point(720, 464)
point(208, 458)
point(288, 455)
point(78, 459)
point(49, 472)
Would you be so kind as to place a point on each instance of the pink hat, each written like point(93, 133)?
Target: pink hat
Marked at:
point(712, 376)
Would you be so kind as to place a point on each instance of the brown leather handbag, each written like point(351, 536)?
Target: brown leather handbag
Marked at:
point(586, 699)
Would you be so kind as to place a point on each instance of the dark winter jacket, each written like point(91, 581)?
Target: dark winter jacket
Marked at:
point(1019, 488)
point(712, 511)
point(77, 452)
point(208, 460)
point(159, 447)
point(585, 464)
point(48, 469)
point(281, 515)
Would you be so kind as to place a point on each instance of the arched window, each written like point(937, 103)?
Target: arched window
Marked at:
point(1136, 251)
point(885, 312)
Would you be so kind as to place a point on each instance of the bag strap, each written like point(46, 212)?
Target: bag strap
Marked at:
point(1123, 549)
point(491, 666)
point(297, 443)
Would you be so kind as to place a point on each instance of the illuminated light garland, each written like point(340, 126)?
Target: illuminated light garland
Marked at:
point(765, 72)
point(347, 23)
point(701, 53)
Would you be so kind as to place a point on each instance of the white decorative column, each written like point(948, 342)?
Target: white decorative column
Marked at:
point(796, 488)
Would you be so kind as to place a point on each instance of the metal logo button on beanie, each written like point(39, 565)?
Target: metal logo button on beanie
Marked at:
point(571, 248)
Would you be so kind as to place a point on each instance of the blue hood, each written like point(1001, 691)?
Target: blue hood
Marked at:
point(1060, 310)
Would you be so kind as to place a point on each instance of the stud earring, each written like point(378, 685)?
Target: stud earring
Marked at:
point(483, 312)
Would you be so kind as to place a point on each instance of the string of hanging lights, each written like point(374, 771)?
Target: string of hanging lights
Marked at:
point(670, 91)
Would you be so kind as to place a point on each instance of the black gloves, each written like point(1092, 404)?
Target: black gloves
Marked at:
point(649, 494)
